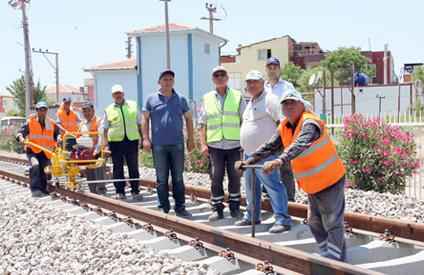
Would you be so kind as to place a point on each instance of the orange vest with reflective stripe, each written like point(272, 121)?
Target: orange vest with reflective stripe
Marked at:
point(43, 137)
point(70, 123)
point(94, 126)
point(319, 166)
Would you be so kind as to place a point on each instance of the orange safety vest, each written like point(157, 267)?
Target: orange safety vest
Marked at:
point(69, 122)
point(43, 137)
point(317, 167)
point(93, 127)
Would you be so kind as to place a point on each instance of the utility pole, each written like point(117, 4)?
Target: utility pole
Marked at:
point(211, 9)
point(379, 106)
point(168, 48)
point(129, 47)
point(29, 83)
point(386, 48)
point(55, 67)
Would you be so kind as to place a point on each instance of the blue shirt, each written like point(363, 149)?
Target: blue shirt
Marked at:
point(166, 115)
point(279, 88)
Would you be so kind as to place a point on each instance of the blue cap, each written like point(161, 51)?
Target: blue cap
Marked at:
point(67, 99)
point(167, 71)
point(41, 104)
point(273, 60)
point(295, 95)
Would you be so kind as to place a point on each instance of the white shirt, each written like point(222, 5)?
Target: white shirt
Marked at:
point(259, 121)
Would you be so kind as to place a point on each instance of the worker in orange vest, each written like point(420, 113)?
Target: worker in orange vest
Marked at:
point(93, 123)
point(317, 168)
point(43, 131)
point(67, 118)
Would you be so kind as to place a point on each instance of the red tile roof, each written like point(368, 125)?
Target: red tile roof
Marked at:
point(162, 28)
point(127, 64)
point(65, 89)
point(228, 58)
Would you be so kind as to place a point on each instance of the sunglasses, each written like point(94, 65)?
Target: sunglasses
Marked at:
point(218, 75)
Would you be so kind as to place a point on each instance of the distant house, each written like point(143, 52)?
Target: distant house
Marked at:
point(64, 91)
point(253, 57)
point(7, 103)
point(106, 75)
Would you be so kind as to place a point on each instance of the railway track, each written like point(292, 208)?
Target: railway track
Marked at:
point(288, 252)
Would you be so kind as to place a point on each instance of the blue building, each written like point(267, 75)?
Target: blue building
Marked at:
point(194, 53)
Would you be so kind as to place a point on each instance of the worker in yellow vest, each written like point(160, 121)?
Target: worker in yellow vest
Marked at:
point(317, 168)
point(66, 117)
point(93, 123)
point(220, 121)
point(122, 127)
point(43, 131)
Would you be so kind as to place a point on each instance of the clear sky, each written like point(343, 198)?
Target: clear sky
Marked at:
point(91, 32)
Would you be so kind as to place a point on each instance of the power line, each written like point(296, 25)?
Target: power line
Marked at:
point(55, 67)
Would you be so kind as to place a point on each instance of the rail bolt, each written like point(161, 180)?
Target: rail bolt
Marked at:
point(227, 254)
point(265, 267)
point(171, 235)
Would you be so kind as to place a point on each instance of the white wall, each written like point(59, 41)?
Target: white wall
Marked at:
point(367, 101)
point(203, 63)
point(104, 80)
point(153, 61)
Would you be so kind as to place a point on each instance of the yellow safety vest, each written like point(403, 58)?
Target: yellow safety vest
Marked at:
point(222, 123)
point(123, 121)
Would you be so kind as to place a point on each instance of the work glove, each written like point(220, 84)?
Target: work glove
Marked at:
point(239, 165)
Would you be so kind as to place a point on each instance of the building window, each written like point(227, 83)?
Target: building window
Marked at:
point(207, 48)
point(264, 54)
point(4, 102)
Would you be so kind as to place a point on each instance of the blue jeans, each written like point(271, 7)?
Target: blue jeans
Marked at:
point(276, 192)
point(169, 158)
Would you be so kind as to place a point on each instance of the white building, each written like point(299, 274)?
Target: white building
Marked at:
point(64, 91)
point(106, 75)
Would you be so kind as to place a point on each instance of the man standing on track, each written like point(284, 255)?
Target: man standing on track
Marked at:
point(278, 86)
point(165, 111)
point(220, 121)
point(122, 127)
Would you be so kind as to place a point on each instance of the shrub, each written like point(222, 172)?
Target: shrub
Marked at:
point(8, 140)
point(377, 156)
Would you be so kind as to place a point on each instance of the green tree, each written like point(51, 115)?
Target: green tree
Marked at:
point(291, 73)
point(340, 62)
point(18, 88)
point(418, 74)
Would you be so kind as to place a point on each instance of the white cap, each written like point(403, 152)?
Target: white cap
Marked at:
point(117, 88)
point(254, 75)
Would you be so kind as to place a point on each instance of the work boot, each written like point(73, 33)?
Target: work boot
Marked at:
point(37, 194)
point(120, 196)
point(137, 197)
point(235, 213)
point(244, 222)
point(216, 215)
point(183, 213)
point(279, 228)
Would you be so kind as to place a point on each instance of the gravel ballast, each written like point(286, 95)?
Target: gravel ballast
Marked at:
point(38, 239)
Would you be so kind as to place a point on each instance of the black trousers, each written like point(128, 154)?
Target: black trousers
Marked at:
point(125, 151)
point(223, 161)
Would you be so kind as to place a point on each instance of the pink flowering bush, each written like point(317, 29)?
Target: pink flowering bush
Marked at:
point(377, 156)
